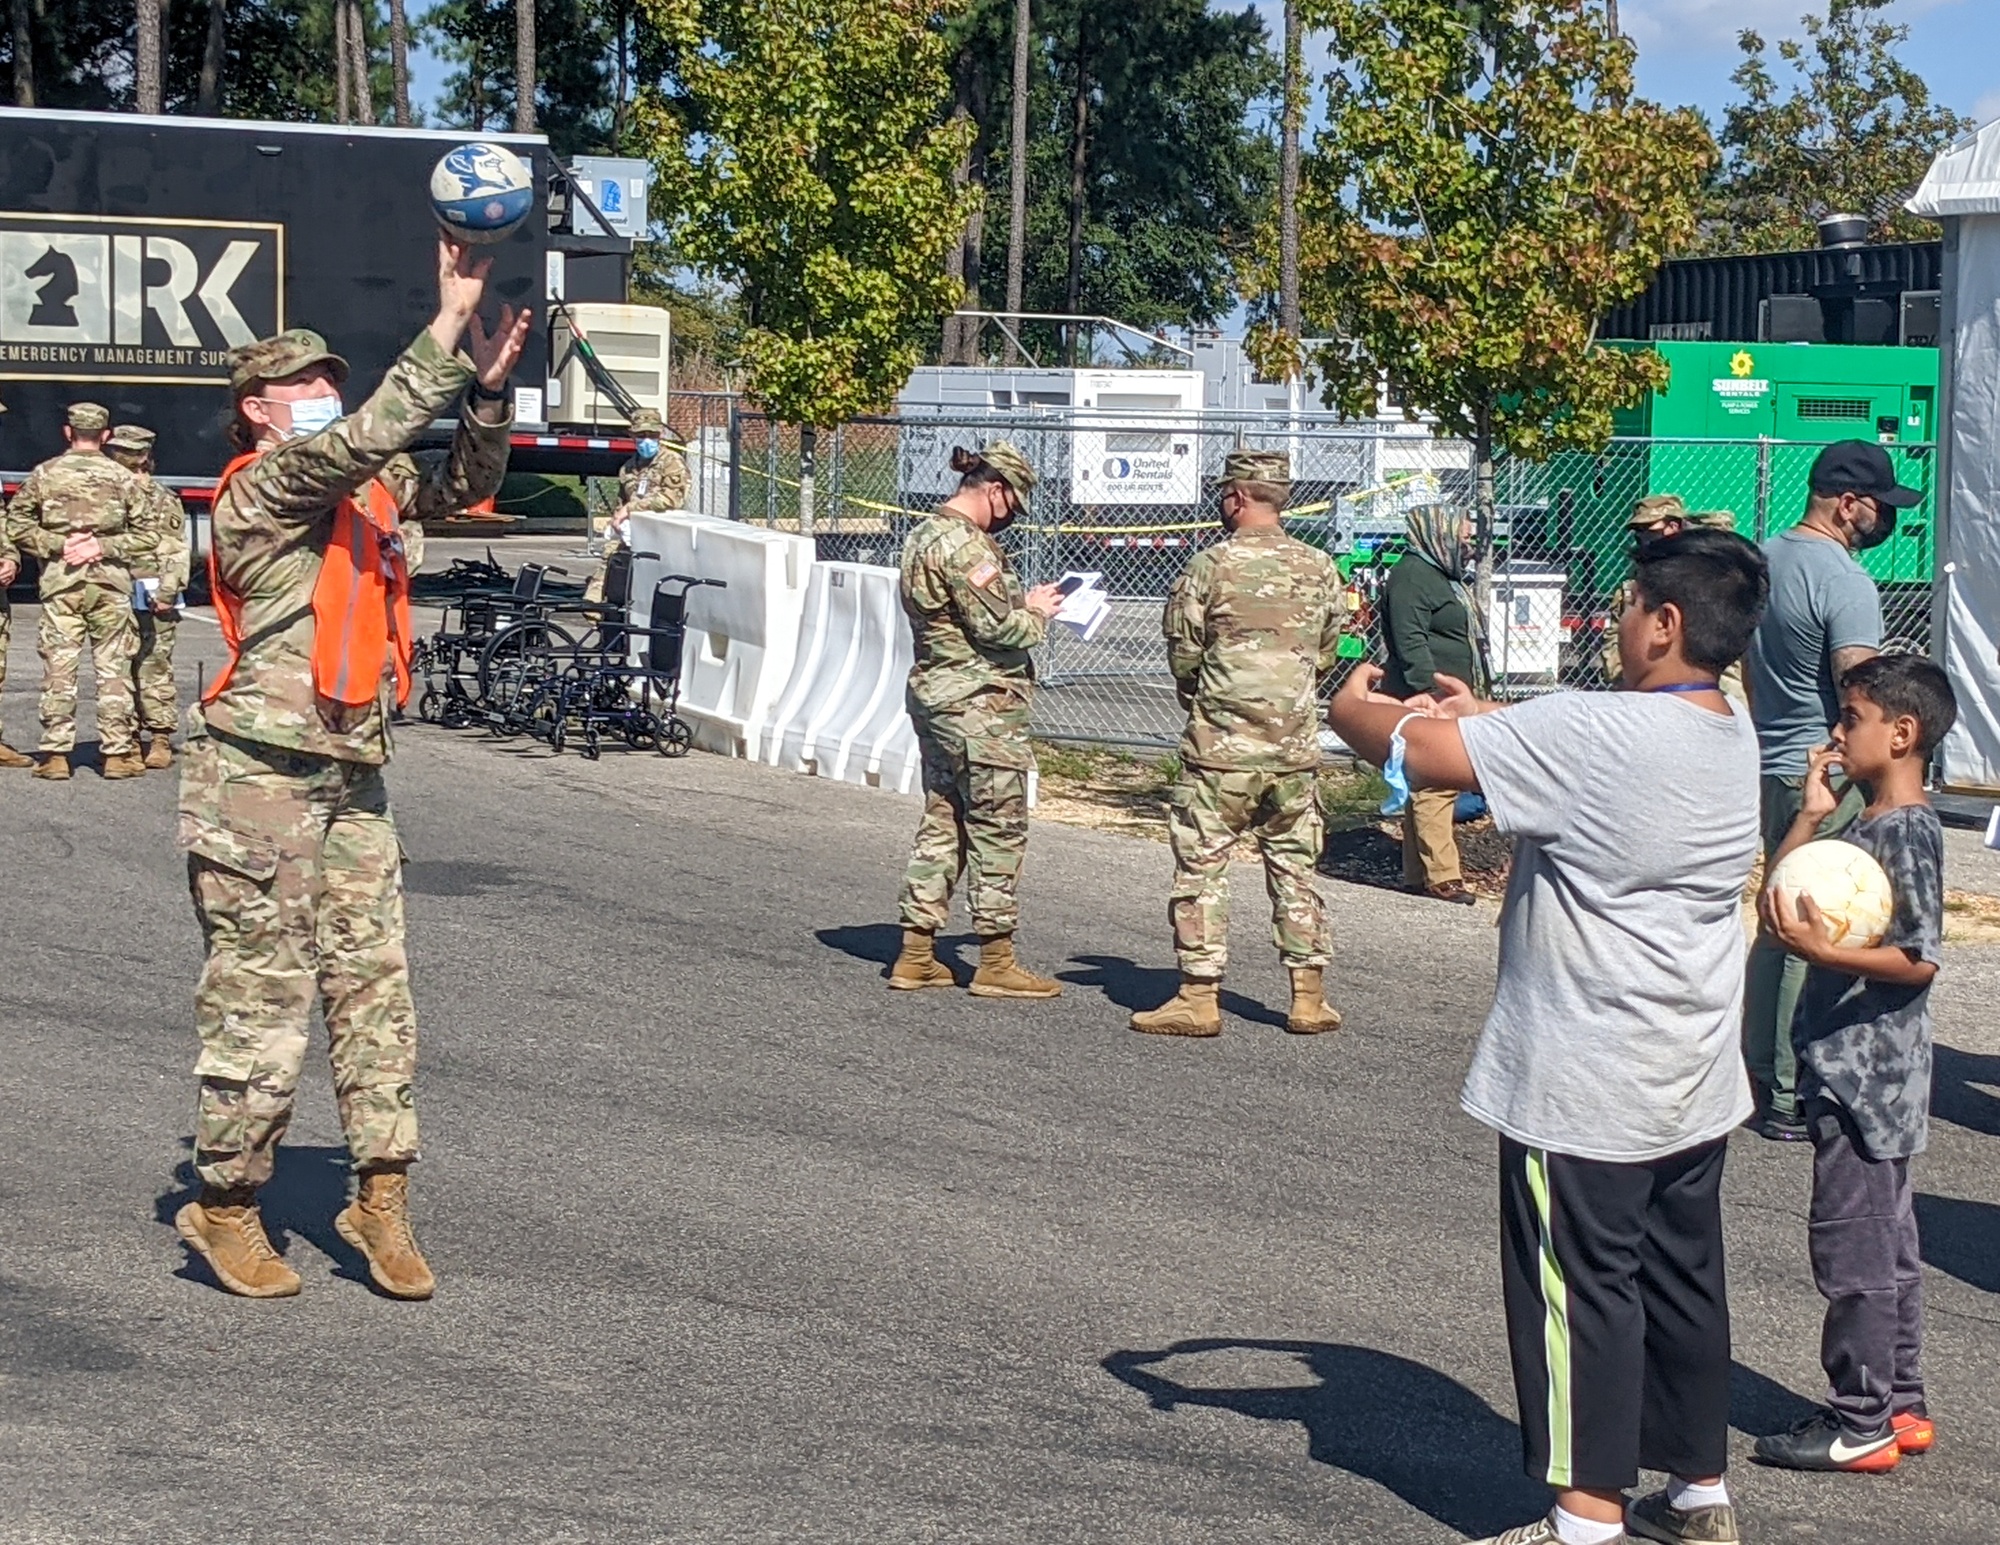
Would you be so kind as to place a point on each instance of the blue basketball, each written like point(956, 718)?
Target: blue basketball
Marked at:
point(482, 192)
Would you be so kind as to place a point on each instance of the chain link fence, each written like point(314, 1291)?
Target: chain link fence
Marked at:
point(1133, 496)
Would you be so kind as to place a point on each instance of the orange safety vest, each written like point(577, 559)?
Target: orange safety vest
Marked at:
point(361, 602)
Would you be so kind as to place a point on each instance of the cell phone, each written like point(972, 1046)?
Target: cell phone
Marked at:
point(1069, 586)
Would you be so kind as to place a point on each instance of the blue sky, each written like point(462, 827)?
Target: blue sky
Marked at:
point(1687, 48)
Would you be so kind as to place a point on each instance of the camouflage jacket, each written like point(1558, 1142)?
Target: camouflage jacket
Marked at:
point(172, 556)
point(973, 683)
point(81, 491)
point(655, 486)
point(1250, 625)
point(271, 528)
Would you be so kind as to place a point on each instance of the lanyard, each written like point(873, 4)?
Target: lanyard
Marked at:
point(1687, 686)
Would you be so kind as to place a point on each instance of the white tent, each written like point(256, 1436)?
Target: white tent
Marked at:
point(1962, 190)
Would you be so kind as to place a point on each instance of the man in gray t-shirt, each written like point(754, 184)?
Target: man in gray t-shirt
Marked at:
point(1825, 617)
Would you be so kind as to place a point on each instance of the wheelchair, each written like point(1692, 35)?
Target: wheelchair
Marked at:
point(462, 670)
point(624, 682)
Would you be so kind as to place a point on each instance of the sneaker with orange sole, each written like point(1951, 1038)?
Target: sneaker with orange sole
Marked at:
point(1823, 1442)
point(1915, 1432)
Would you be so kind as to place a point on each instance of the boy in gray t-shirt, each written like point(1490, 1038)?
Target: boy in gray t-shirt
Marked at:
point(1863, 1034)
point(1609, 1063)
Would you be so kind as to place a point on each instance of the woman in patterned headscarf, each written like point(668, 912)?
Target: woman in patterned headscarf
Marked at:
point(1431, 628)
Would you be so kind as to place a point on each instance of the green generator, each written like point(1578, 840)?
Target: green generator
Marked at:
point(1736, 429)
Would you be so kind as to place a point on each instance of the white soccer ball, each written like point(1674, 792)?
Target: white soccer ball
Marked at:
point(482, 192)
point(1852, 891)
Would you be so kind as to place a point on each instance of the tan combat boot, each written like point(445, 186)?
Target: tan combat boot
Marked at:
point(124, 765)
point(54, 765)
point(1195, 1010)
point(224, 1228)
point(1311, 1014)
point(9, 757)
point(377, 1223)
point(1000, 975)
point(159, 753)
point(918, 965)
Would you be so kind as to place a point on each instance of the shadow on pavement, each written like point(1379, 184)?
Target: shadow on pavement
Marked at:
point(309, 1185)
point(1406, 1427)
point(1955, 1093)
point(880, 943)
point(1961, 1238)
point(1761, 1406)
point(1132, 986)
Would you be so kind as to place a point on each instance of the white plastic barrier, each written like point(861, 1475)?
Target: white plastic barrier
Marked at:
point(841, 715)
point(741, 639)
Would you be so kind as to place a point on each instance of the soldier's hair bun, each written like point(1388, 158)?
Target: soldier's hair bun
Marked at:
point(965, 461)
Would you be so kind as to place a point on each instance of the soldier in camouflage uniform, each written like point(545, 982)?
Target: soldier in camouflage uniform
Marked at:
point(970, 694)
point(653, 480)
point(131, 446)
point(293, 861)
point(83, 515)
point(1250, 625)
point(1666, 515)
point(10, 568)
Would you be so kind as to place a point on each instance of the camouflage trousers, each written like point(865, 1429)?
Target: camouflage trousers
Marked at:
point(100, 617)
point(6, 636)
point(975, 822)
point(297, 882)
point(153, 672)
point(1207, 812)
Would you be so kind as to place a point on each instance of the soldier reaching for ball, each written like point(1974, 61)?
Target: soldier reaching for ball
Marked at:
point(970, 695)
point(293, 861)
point(1250, 625)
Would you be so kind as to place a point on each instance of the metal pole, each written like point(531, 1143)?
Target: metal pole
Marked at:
point(770, 473)
point(735, 461)
point(1763, 487)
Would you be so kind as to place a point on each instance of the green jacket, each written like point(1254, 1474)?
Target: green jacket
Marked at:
point(1426, 629)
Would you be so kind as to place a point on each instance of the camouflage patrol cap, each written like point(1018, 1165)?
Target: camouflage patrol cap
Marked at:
point(88, 418)
point(646, 421)
point(136, 438)
point(272, 359)
point(1654, 508)
point(1715, 520)
point(1005, 458)
point(1247, 466)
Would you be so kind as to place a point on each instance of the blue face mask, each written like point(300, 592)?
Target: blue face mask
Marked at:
point(1393, 773)
point(311, 415)
point(648, 449)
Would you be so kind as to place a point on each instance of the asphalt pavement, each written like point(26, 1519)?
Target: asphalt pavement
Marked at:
point(735, 1245)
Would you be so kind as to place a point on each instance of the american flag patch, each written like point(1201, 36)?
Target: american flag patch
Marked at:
point(985, 574)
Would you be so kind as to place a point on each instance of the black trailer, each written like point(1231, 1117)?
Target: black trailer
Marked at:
point(135, 251)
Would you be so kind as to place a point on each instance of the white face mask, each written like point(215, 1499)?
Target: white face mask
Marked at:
point(312, 414)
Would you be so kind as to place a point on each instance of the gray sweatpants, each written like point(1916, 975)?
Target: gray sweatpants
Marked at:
point(1863, 1234)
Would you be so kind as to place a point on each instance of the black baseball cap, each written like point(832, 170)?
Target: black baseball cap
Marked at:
point(1860, 467)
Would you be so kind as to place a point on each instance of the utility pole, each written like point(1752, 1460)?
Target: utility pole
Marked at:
point(1288, 177)
point(524, 66)
point(147, 94)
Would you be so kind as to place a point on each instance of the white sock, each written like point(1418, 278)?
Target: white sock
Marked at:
point(1686, 1495)
point(1572, 1530)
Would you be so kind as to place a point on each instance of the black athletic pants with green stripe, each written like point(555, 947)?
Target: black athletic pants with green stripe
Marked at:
point(1616, 1314)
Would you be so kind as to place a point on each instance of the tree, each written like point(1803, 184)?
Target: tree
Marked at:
point(1017, 162)
point(22, 40)
point(399, 62)
point(1851, 132)
point(524, 66)
point(805, 159)
point(146, 84)
point(1485, 189)
point(215, 38)
point(575, 55)
point(1145, 176)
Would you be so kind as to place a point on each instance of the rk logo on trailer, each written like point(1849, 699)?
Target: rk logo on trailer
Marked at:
point(132, 300)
